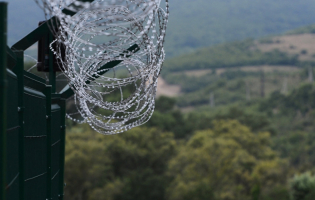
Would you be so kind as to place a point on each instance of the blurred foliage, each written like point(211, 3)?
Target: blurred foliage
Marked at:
point(246, 151)
point(302, 30)
point(131, 165)
point(220, 70)
point(202, 23)
point(225, 162)
point(228, 55)
point(303, 186)
point(243, 148)
point(300, 100)
point(166, 118)
point(228, 161)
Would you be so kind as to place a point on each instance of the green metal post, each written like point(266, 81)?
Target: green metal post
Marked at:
point(48, 117)
point(51, 88)
point(19, 71)
point(62, 105)
point(3, 95)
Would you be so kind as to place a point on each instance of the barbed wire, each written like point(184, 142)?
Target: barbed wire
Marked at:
point(126, 34)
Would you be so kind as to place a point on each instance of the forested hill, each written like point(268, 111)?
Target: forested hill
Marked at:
point(199, 23)
point(233, 72)
point(202, 23)
point(292, 48)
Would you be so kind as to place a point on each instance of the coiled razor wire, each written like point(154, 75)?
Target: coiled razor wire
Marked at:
point(104, 32)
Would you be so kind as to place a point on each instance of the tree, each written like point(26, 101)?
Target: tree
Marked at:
point(303, 186)
point(128, 166)
point(255, 121)
point(85, 164)
point(164, 104)
point(225, 163)
point(168, 119)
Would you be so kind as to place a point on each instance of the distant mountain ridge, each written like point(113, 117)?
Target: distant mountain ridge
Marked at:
point(198, 23)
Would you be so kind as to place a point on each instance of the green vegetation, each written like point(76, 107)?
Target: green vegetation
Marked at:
point(255, 143)
point(303, 30)
point(202, 23)
point(234, 85)
point(249, 151)
point(223, 73)
point(131, 165)
point(303, 186)
point(228, 162)
point(228, 55)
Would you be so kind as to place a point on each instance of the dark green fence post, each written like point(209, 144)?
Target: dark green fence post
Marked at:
point(19, 71)
point(48, 117)
point(3, 96)
point(62, 105)
point(51, 88)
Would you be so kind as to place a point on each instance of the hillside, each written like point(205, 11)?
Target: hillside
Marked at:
point(240, 71)
point(283, 49)
point(199, 23)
